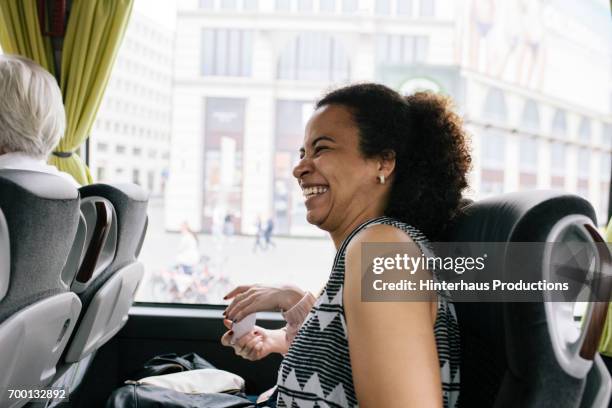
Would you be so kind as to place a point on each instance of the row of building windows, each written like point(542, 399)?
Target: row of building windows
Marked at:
point(225, 120)
point(311, 56)
point(146, 72)
point(400, 8)
point(143, 50)
point(135, 110)
point(495, 109)
point(102, 147)
point(145, 92)
point(131, 130)
point(401, 49)
point(143, 177)
point(494, 154)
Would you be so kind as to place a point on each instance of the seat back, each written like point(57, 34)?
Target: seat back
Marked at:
point(37, 311)
point(515, 354)
point(109, 292)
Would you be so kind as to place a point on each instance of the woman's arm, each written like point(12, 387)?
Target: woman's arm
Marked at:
point(249, 299)
point(261, 342)
point(392, 344)
point(296, 316)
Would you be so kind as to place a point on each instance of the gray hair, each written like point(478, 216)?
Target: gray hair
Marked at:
point(32, 116)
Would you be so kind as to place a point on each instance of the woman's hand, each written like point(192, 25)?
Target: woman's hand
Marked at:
point(257, 298)
point(256, 344)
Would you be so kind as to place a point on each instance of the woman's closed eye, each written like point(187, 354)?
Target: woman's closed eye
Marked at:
point(319, 149)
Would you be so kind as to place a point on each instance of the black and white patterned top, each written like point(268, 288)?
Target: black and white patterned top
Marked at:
point(316, 371)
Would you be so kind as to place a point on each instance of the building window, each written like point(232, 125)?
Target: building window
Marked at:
point(557, 158)
point(251, 5)
point(349, 6)
point(495, 106)
point(314, 57)
point(606, 136)
point(401, 49)
point(604, 165)
point(327, 6)
point(305, 5)
point(283, 5)
point(528, 153)
point(119, 149)
point(404, 8)
point(136, 176)
point(427, 8)
point(583, 162)
point(228, 4)
point(136, 151)
point(383, 7)
point(151, 180)
point(493, 149)
point(226, 52)
point(102, 147)
point(101, 173)
point(559, 124)
point(223, 141)
point(584, 131)
point(530, 119)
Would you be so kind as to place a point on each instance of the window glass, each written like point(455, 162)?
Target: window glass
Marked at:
point(606, 136)
point(383, 7)
point(584, 130)
point(327, 6)
point(283, 5)
point(401, 49)
point(495, 105)
point(251, 5)
point(583, 162)
point(427, 8)
point(528, 153)
point(226, 52)
point(305, 5)
point(349, 6)
point(207, 114)
point(557, 157)
point(314, 57)
point(559, 124)
point(207, 4)
point(531, 117)
point(404, 7)
point(228, 4)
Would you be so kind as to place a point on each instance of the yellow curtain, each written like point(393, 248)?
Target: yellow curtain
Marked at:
point(20, 32)
point(93, 36)
point(605, 347)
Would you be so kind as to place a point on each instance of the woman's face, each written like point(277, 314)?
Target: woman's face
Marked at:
point(338, 183)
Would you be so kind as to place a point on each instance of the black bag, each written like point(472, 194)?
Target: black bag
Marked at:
point(134, 395)
point(151, 396)
point(171, 363)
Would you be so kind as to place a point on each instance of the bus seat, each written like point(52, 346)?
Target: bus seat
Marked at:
point(107, 282)
point(37, 310)
point(515, 354)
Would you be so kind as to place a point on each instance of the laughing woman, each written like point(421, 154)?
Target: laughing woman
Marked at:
point(374, 167)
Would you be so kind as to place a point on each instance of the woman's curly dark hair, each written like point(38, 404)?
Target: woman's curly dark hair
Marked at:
point(431, 149)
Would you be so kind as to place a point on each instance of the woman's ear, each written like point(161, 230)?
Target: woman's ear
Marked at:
point(386, 162)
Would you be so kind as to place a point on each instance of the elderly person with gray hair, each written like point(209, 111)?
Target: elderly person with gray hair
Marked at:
point(32, 117)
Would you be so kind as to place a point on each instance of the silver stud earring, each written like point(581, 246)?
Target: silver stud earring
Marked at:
point(381, 178)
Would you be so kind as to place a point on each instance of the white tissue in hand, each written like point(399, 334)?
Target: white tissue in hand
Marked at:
point(243, 327)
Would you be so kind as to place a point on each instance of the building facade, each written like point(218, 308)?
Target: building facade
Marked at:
point(531, 79)
point(130, 141)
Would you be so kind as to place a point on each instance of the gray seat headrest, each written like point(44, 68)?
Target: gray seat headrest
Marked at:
point(42, 215)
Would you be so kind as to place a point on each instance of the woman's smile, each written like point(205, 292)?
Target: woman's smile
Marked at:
point(313, 194)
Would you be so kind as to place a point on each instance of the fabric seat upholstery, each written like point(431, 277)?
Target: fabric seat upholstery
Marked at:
point(508, 358)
